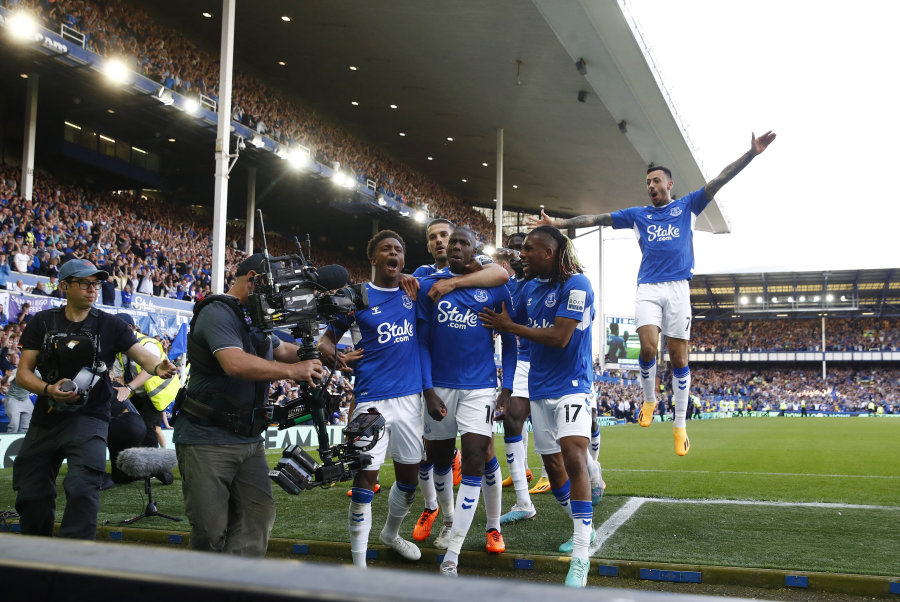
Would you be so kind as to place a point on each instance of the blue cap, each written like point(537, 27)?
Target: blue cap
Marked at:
point(80, 268)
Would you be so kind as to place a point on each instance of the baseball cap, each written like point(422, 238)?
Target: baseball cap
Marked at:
point(80, 268)
point(255, 262)
point(126, 318)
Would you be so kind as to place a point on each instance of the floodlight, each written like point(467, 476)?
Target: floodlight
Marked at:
point(790, 299)
point(829, 298)
point(817, 298)
point(420, 216)
point(23, 26)
point(282, 152)
point(164, 95)
point(744, 300)
point(116, 71)
point(192, 105)
point(759, 299)
point(774, 299)
point(802, 299)
point(381, 200)
point(257, 141)
point(843, 297)
point(298, 157)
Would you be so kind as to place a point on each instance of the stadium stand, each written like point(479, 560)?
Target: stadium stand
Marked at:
point(112, 28)
point(798, 334)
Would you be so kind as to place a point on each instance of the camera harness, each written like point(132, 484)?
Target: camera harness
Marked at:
point(218, 408)
point(61, 348)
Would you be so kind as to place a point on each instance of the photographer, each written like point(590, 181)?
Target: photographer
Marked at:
point(221, 415)
point(71, 417)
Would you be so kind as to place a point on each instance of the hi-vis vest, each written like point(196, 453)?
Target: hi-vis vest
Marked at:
point(161, 391)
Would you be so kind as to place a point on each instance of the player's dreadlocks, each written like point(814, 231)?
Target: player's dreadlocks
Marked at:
point(567, 264)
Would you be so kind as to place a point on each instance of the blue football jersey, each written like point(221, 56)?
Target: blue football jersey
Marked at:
point(389, 366)
point(457, 352)
point(557, 372)
point(665, 235)
point(516, 288)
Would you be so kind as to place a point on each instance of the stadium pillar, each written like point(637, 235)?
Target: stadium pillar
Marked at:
point(601, 319)
point(31, 99)
point(223, 146)
point(498, 212)
point(251, 209)
point(824, 369)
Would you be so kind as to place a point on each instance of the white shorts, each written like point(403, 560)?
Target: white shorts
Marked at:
point(520, 382)
point(468, 411)
point(666, 305)
point(402, 429)
point(553, 419)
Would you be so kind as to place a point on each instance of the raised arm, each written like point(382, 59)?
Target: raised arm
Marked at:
point(757, 146)
point(582, 221)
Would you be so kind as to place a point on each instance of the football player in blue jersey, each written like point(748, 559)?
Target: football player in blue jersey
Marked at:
point(558, 313)
point(664, 230)
point(517, 409)
point(387, 338)
point(481, 273)
point(459, 381)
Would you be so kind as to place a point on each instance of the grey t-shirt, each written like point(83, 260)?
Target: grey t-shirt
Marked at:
point(218, 327)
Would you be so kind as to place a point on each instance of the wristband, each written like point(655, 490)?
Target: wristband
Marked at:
point(46, 385)
point(129, 387)
point(156, 369)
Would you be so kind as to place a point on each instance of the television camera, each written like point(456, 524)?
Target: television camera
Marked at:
point(292, 294)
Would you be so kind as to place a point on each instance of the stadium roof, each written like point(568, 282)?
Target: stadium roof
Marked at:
point(461, 69)
point(797, 294)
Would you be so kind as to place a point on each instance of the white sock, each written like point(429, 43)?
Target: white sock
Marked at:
point(515, 456)
point(648, 379)
point(681, 385)
point(595, 443)
point(582, 520)
point(359, 519)
point(426, 484)
point(492, 486)
point(525, 444)
point(399, 502)
point(466, 503)
point(594, 471)
point(443, 483)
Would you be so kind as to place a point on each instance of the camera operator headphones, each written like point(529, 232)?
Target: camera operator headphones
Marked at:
point(65, 355)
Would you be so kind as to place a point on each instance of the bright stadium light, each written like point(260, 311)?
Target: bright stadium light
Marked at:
point(817, 298)
point(774, 299)
point(829, 298)
point(489, 250)
point(843, 298)
point(790, 299)
point(164, 95)
point(381, 201)
point(23, 26)
point(802, 299)
point(744, 300)
point(420, 216)
point(297, 157)
point(257, 141)
point(116, 71)
point(758, 299)
point(192, 105)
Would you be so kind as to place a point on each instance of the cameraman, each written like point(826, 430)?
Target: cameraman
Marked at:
point(78, 342)
point(221, 415)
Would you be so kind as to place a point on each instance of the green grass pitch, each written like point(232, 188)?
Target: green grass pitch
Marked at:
point(807, 477)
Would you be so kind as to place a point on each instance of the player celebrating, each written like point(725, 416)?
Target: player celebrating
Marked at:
point(559, 308)
point(665, 231)
point(437, 235)
point(387, 339)
point(459, 392)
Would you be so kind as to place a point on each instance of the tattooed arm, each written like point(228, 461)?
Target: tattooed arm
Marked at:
point(582, 221)
point(757, 145)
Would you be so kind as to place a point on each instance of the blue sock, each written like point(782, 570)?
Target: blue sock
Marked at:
point(562, 496)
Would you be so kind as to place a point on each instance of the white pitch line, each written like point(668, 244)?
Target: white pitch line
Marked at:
point(615, 521)
point(837, 505)
point(765, 474)
point(621, 516)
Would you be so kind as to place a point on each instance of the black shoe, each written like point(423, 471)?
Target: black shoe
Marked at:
point(107, 483)
point(165, 477)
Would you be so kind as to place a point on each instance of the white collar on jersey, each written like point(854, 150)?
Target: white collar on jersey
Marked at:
point(386, 290)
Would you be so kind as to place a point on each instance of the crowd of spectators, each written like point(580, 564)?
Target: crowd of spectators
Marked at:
point(846, 389)
point(114, 28)
point(148, 246)
point(841, 334)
